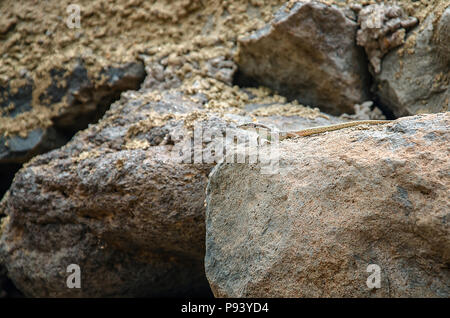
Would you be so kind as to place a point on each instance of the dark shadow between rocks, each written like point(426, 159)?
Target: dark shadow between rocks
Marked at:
point(7, 288)
point(242, 80)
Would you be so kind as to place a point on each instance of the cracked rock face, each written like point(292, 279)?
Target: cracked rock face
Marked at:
point(414, 78)
point(382, 28)
point(341, 202)
point(308, 53)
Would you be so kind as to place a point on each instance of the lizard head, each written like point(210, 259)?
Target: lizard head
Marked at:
point(263, 131)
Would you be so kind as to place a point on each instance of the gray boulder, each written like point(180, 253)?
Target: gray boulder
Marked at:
point(340, 204)
point(414, 78)
point(308, 53)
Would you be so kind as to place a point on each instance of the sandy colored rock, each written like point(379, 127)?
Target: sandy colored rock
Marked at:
point(68, 101)
point(340, 202)
point(190, 39)
point(7, 289)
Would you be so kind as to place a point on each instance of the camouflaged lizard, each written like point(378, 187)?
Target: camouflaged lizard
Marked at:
point(309, 131)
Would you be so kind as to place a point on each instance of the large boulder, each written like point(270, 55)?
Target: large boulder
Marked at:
point(308, 53)
point(124, 200)
point(338, 203)
point(110, 203)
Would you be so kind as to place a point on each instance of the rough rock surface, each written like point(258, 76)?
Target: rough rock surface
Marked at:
point(72, 99)
point(117, 194)
point(382, 28)
point(7, 289)
point(415, 79)
point(109, 36)
point(443, 36)
point(67, 103)
point(308, 53)
point(132, 222)
point(341, 201)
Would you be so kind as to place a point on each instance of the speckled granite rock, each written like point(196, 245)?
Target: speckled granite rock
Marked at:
point(342, 200)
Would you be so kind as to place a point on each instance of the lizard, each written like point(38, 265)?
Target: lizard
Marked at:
point(313, 130)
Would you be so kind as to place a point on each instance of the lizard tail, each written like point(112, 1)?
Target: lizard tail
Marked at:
point(318, 130)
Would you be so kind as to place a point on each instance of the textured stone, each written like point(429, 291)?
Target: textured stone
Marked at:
point(133, 222)
point(342, 201)
point(167, 72)
point(443, 36)
point(308, 53)
point(80, 99)
point(414, 79)
point(118, 201)
point(382, 28)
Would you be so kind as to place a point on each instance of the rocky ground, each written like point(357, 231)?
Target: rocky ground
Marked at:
point(100, 163)
point(359, 197)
